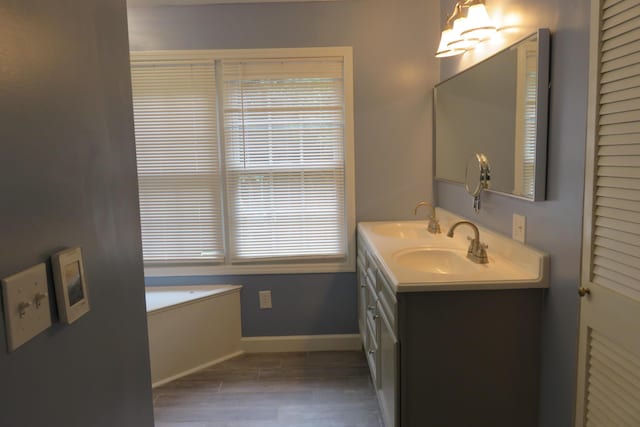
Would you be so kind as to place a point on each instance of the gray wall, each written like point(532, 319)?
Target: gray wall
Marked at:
point(553, 225)
point(303, 304)
point(394, 69)
point(68, 178)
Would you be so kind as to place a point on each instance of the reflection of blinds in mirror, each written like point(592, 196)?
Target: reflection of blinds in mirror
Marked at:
point(526, 123)
point(616, 244)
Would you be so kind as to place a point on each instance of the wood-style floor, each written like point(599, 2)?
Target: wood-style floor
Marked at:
point(317, 389)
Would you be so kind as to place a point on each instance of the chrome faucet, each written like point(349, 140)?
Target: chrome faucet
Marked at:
point(477, 251)
point(434, 225)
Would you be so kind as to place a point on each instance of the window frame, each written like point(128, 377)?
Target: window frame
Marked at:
point(319, 265)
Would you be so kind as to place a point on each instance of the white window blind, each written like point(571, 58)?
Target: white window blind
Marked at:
point(284, 130)
point(177, 153)
point(616, 243)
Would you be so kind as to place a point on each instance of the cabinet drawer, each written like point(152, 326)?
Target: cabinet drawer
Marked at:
point(373, 321)
point(372, 296)
point(362, 252)
point(371, 275)
point(372, 354)
point(372, 269)
point(388, 300)
point(362, 259)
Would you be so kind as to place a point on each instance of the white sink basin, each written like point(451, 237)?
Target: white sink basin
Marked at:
point(434, 260)
point(415, 260)
point(401, 230)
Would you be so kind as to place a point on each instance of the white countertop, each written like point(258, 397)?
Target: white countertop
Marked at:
point(512, 265)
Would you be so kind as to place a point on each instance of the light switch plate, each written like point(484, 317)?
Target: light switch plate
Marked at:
point(519, 228)
point(26, 305)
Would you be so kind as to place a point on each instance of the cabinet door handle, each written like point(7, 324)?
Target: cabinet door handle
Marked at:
point(371, 351)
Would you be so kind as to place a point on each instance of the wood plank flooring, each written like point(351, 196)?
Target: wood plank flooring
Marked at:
point(316, 389)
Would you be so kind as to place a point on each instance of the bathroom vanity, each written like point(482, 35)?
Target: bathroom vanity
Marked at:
point(450, 342)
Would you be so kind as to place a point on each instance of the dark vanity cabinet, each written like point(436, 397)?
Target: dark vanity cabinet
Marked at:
point(465, 358)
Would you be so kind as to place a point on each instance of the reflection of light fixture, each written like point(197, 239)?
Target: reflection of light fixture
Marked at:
point(465, 27)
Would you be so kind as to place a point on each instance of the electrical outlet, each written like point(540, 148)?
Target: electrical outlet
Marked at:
point(265, 299)
point(519, 228)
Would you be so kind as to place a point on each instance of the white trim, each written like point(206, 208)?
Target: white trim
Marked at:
point(293, 343)
point(139, 3)
point(196, 369)
point(316, 265)
point(349, 159)
point(213, 54)
point(580, 403)
point(255, 269)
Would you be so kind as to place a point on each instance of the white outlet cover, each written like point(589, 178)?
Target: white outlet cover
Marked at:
point(265, 299)
point(26, 292)
point(519, 228)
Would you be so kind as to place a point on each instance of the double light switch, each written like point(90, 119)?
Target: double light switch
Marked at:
point(26, 305)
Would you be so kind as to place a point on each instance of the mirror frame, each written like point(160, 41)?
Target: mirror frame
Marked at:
point(542, 115)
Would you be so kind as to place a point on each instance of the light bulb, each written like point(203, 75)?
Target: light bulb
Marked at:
point(443, 49)
point(478, 25)
point(460, 26)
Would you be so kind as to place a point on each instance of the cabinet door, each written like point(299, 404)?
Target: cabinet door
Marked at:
point(388, 375)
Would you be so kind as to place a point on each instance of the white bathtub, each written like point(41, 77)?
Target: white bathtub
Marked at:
point(190, 328)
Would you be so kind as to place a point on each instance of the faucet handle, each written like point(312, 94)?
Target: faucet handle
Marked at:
point(480, 244)
point(477, 251)
point(434, 225)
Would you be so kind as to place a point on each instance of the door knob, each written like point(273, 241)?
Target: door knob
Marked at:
point(584, 291)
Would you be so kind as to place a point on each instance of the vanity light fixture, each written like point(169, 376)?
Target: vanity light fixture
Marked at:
point(468, 25)
point(447, 47)
point(479, 25)
point(461, 26)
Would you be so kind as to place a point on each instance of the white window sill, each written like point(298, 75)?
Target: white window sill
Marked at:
point(229, 270)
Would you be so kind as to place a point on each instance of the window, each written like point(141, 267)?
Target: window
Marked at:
point(245, 160)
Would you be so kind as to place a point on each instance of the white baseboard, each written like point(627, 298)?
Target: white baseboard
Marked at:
point(196, 369)
point(291, 343)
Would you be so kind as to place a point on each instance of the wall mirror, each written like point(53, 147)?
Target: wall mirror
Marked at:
point(498, 107)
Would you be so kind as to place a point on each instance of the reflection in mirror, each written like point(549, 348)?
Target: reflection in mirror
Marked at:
point(497, 107)
point(477, 177)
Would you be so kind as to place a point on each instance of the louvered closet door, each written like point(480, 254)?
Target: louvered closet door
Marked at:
point(608, 392)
